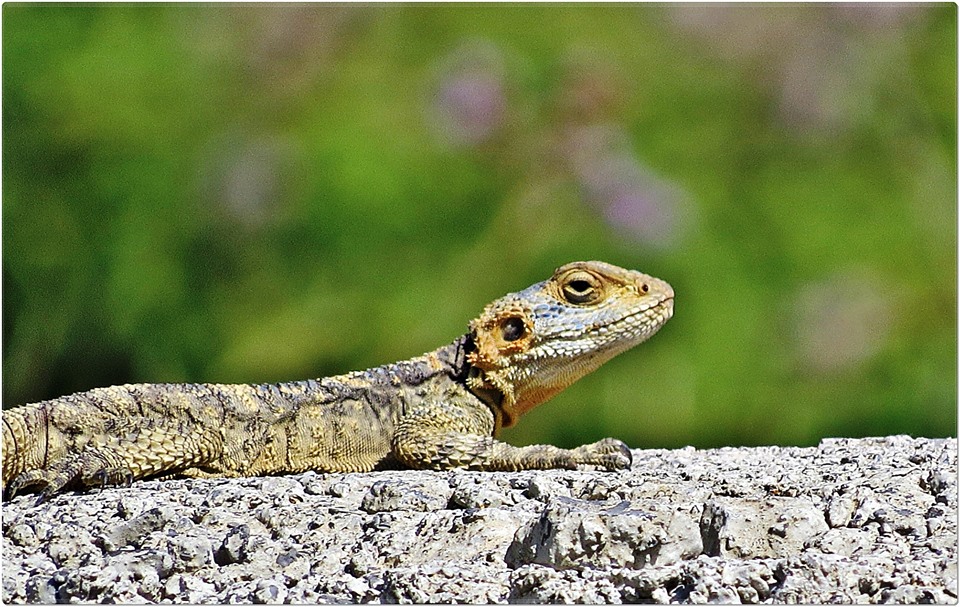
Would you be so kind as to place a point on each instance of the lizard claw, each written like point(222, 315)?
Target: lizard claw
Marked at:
point(44, 494)
point(608, 453)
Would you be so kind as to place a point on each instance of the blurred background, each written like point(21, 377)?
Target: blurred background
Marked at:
point(258, 193)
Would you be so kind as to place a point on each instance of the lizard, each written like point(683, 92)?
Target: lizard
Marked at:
point(441, 410)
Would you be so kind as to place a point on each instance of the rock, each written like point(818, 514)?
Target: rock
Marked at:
point(233, 549)
point(270, 591)
point(840, 509)
point(133, 532)
point(387, 496)
point(852, 520)
point(577, 533)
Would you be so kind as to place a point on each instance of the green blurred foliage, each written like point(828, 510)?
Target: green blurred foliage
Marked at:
point(217, 193)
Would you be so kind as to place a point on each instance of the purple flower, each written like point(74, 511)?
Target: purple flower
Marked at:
point(469, 103)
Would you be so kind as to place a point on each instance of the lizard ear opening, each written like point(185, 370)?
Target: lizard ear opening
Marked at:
point(512, 328)
point(498, 333)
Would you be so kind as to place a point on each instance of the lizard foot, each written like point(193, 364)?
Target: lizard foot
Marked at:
point(85, 470)
point(608, 453)
point(44, 482)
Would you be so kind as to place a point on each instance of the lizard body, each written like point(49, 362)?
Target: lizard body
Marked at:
point(440, 410)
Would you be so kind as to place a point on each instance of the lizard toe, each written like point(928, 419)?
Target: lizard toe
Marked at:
point(102, 478)
point(608, 453)
point(621, 460)
point(44, 482)
point(44, 495)
point(624, 457)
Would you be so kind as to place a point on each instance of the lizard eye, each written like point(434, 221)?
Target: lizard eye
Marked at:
point(581, 288)
point(512, 328)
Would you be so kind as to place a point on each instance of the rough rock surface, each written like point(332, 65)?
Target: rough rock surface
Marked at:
point(852, 520)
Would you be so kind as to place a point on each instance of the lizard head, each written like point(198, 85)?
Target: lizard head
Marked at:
point(530, 345)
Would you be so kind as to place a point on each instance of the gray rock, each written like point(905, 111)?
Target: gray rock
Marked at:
point(577, 533)
point(135, 531)
point(747, 528)
point(852, 521)
point(233, 549)
point(387, 496)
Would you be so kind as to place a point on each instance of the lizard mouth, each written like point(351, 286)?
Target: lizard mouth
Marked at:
point(667, 304)
point(649, 319)
point(601, 340)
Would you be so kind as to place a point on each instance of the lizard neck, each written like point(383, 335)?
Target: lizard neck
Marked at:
point(456, 358)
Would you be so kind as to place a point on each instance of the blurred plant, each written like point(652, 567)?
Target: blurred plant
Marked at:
point(247, 178)
point(627, 193)
point(841, 321)
point(283, 50)
point(825, 63)
point(469, 103)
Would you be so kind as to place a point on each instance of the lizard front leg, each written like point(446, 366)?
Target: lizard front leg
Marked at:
point(444, 438)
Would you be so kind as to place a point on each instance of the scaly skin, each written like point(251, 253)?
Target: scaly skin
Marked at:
point(437, 411)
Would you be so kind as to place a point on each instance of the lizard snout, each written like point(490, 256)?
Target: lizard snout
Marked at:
point(649, 285)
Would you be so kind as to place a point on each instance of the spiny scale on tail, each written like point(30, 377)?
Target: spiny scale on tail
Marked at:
point(439, 411)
